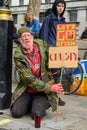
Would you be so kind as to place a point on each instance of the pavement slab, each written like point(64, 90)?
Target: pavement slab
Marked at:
point(47, 123)
point(73, 117)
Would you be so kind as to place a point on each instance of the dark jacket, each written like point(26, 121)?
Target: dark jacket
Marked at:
point(84, 35)
point(48, 29)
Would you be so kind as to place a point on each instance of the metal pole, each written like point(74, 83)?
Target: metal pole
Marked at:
point(6, 28)
point(5, 12)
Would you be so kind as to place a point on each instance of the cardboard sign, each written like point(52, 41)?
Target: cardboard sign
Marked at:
point(63, 56)
point(66, 34)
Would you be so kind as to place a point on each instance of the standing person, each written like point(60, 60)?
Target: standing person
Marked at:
point(32, 23)
point(36, 90)
point(84, 34)
point(48, 29)
point(15, 36)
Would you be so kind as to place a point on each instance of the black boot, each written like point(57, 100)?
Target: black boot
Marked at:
point(37, 113)
point(61, 102)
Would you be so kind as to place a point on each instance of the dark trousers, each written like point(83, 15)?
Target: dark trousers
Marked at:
point(30, 102)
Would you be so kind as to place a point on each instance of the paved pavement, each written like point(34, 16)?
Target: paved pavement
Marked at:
point(73, 117)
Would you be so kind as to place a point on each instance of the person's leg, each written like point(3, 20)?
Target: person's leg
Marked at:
point(39, 105)
point(21, 105)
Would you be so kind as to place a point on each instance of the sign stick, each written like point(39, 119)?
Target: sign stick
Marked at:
point(57, 99)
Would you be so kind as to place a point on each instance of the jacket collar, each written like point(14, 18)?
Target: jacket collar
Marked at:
point(54, 17)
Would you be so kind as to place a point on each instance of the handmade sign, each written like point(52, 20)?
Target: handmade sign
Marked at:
point(63, 56)
point(66, 52)
point(66, 34)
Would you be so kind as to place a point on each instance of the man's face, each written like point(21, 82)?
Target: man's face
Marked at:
point(27, 40)
point(60, 8)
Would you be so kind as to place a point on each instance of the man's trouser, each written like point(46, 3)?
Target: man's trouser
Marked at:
point(33, 103)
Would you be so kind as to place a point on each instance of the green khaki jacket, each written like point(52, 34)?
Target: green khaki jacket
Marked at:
point(27, 79)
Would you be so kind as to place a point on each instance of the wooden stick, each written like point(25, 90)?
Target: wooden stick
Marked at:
point(57, 100)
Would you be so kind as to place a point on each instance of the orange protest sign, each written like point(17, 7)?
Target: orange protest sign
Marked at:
point(63, 56)
point(66, 34)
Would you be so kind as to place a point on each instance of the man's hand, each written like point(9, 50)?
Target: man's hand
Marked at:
point(57, 88)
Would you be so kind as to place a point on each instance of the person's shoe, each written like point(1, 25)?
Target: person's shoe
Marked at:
point(37, 113)
point(61, 102)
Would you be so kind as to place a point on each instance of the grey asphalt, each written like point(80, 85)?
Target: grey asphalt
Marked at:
point(73, 116)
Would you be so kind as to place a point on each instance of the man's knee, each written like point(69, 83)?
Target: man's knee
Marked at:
point(39, 106)
point(17, 113)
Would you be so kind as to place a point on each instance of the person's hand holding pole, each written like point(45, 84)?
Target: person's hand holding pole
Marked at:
point(57, 88)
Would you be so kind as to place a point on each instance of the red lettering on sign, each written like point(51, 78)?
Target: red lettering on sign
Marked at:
point(53, 57)
point(67, 56)
point(70, 56)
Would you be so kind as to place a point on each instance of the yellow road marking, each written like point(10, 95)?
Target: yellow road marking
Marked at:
point(5, 121)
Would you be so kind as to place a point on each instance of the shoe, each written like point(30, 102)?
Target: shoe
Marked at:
point(37, 113)
point(61, 102)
